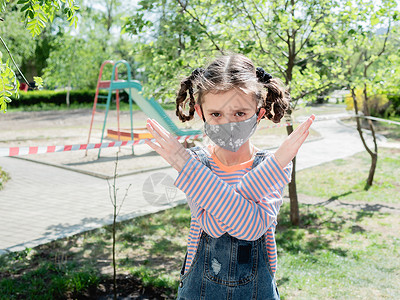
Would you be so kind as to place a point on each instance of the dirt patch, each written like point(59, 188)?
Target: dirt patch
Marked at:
point(128, 287)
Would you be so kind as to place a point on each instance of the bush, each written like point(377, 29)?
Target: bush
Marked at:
point(57, 98)
point(394, 108)
point(377, 104)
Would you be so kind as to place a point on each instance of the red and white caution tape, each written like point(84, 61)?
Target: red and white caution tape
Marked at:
point(14, 151)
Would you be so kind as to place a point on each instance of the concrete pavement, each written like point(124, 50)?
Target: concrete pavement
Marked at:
point(42, 203)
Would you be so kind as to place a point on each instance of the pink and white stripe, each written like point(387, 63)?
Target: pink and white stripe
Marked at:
point(18, 151)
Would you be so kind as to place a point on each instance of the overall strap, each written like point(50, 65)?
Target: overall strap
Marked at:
point(259, 157)
point(201, 153)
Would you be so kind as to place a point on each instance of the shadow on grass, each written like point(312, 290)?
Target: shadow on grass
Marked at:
point(333, 199)
point(309, 237)
point(154, 241)
point(363, 209)
point(321, 226)
point(297, 240)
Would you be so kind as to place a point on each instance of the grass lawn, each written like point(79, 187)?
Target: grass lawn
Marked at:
point(345, 179)
point(337, 253)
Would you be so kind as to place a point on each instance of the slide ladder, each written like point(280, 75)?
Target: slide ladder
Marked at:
point(113, 85)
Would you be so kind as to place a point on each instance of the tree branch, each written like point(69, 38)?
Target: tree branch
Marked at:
point(256, 28)
point(305, 93)
point(262, 30)
point(358, 122)
point(308, 37)
point(253, 24)
point(371, 126)
point(305, 59)
point(382, 50)
point(202, 25)
point(261, 14)
point(12, 58)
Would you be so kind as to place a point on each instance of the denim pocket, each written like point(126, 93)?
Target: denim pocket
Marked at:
point(184, 274)
point(230, 263)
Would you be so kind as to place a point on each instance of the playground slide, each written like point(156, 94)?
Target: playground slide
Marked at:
point(155, 111)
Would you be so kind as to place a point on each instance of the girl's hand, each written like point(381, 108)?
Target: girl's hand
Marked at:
point(288, 150)
point(170, 148)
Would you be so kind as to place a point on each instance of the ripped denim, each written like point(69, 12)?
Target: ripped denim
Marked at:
point(228, 268)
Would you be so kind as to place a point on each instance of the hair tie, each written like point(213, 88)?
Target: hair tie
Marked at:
point(197, 72)
point(263, 76)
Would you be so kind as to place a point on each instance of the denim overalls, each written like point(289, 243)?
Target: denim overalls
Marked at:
point(226, 267)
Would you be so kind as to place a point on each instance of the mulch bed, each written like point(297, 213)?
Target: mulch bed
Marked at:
point(128, 287)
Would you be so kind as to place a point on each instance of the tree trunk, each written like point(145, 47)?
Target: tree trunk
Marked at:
point(113, 250)
point(374, 160)
point(374, 155)
point(68, 90)
point(294, 203)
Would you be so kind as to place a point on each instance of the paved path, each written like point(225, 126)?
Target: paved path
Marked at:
point(42, 203)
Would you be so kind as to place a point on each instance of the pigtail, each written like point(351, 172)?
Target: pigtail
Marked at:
point(277, 99)
point(182, 96)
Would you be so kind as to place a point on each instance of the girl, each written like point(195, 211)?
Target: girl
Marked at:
point(234, 190)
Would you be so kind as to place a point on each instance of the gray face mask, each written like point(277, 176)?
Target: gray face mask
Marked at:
point(231, 136)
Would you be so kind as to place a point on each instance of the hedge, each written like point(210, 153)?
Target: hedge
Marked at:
point(395, 105)
point(59, 97)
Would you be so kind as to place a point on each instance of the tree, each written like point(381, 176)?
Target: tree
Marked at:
point(74, 62)
point(77, 55)
point(366, 45)
point(169, 45)
point(37, 14)
point(20, 42)
point(290, 38)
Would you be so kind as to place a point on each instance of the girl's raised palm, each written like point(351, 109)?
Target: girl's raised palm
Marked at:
point(170, 148)
point(289, 148)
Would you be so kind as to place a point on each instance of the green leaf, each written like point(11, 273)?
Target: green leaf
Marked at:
point(38, 81)
point(42, 16)
point(25, 7)
point(374, 21)
point(3, 5)
point(8, 85)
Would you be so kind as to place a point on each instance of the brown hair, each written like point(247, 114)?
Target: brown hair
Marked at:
point(228, 72)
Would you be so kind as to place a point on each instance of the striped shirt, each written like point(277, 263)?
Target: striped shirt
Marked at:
point(239, 200)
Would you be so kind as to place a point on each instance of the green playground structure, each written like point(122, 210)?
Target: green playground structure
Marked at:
point(155, 111)
point(133, 88)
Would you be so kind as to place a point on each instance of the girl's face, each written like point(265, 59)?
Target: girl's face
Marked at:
point(227, 107)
